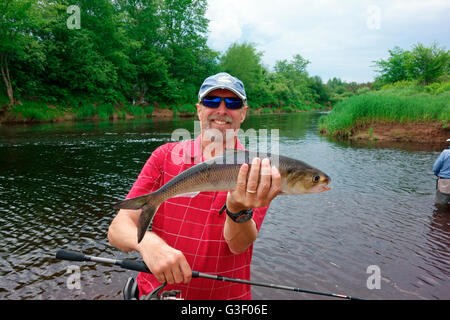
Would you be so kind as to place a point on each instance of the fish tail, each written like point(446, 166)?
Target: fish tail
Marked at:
point(133, 203)
point(146, 217)
point(149, 203)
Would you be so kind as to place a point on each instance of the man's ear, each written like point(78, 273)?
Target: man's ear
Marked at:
point(197, 105)
point(244, 112)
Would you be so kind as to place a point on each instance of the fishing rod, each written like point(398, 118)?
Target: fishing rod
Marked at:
point(139, 265)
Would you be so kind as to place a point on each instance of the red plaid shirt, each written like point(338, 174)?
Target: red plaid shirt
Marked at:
point(193, 226)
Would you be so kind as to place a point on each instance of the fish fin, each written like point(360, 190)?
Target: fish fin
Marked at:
point(145, 219)
point(187, 194)
point(133, 203)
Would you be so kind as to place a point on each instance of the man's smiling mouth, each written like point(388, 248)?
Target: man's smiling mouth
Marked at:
point(221, 122)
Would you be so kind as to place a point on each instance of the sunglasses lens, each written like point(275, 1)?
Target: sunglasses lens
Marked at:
point(230, 103)
point(233, 103)
point(211, 102)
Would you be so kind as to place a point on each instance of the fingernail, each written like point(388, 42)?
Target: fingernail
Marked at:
point(255, 160)
point(266, 161)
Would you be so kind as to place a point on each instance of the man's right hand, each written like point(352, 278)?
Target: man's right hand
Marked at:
point(167, 264)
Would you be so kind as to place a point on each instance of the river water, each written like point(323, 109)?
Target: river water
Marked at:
point(375, 235)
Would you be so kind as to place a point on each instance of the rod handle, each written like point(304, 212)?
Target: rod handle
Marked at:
point(70, 255)
point(138, 265)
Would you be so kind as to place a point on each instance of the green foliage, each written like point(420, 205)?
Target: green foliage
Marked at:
point(422, 64)
point(244, 62)
point(287, 109)
point(86, 111)
point(187, 109)
point(35, 111)
point(391, 105)
point(105, 111)
point(428, 64)
point(265, 111)
point(136, 111)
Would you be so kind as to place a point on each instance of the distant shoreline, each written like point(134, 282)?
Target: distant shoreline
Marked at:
point(157, 113)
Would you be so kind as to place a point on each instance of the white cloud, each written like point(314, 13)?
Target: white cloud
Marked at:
point(341, 39)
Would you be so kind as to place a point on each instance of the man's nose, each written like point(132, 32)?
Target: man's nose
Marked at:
point(222, 107)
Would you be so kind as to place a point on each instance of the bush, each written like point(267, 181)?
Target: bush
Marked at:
point(187, 108)
point(87, 110)
point(266, 111)
point(286, 109)
point(105, 111)
point(136, 111)
point(148, 110)
point(31, 110)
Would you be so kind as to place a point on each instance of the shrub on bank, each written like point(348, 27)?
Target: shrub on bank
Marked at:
point(187, 109)
point(31, 110)
point(386, 106)
point(105, 111)
point(86, 111)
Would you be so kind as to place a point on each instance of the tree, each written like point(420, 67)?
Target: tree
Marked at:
point(424, 64)
point(321, 91)
point(428, 64)
point(183, 35)
point(244, 62)
point(295, 77)
point(395, 67)
point(17, 21)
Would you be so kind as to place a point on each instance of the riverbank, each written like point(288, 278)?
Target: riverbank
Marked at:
point(33, 112)
point(414, 132)
point(399, 115)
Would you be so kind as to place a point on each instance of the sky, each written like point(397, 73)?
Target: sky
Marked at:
point(340, 38)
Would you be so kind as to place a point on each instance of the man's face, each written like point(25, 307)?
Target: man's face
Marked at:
point(221, 118)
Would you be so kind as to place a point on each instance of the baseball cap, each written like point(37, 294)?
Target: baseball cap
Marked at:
point(222, 80)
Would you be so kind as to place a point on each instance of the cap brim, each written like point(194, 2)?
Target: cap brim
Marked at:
point(223, 87)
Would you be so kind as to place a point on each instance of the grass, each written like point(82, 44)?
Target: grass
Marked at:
point(186, 109)
point(86, 111)
point(390, 105)
point(40, 111)
point(36, 111)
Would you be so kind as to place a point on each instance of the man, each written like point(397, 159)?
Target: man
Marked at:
point(187, 232)
point(441, 169)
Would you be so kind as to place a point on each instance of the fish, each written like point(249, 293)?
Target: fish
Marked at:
point(220, 174)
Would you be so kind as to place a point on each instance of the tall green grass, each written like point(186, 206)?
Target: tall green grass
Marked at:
point(390, 105)
point(31, 110)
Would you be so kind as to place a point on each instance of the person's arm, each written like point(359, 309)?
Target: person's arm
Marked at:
point(438, 164)
point(165, 262)
point(239, 236)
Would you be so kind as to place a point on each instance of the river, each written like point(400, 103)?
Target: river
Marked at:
point(375, 235)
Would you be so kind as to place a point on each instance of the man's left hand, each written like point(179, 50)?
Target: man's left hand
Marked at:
point(251, 194)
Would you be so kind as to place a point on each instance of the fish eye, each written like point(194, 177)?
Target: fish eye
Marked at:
point(316, 178)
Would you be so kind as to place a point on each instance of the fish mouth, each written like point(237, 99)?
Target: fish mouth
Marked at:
point(319, 188)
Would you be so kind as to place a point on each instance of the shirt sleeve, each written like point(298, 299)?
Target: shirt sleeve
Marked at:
point(150, 177)
point(438, 164)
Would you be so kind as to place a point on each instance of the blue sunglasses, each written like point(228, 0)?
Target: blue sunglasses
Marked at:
point(230, 103)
